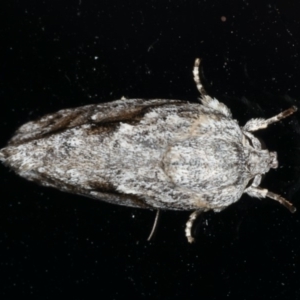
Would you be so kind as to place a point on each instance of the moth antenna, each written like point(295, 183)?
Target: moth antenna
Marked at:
point(154, 225)
point(282, 201)
point(189, 224)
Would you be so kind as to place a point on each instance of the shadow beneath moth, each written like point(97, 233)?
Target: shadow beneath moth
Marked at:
point(155, 154)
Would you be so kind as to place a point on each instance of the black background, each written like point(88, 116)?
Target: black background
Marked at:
point(58, 54)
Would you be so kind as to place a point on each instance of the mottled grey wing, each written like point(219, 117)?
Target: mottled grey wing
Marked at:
point(111, 112)
point(100, 119)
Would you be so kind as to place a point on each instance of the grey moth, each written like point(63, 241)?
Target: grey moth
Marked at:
point(155, 154)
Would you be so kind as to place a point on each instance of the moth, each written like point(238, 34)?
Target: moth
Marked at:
point(155, 154)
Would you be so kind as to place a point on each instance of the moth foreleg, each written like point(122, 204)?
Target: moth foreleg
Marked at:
point(256, 124)
point(283, 201)
point(258, 192)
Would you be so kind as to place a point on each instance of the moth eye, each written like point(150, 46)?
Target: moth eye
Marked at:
point(250, 182)
point(249, 141)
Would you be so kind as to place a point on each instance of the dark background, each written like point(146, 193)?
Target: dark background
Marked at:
point(58, 54)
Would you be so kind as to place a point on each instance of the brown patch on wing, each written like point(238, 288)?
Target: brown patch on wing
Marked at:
point(112, 113)
point(108, 189)
point(105, 191)
point(47, 125)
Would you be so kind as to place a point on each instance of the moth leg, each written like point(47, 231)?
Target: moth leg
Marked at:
point(282, 201)
point(190, 223)
point(256, 124)
point(263, 193)
point(154, 225)
point(205, 99)
point(197, 80)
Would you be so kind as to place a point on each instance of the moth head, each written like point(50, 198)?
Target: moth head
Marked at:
point(274, 161)
point(261, 161)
